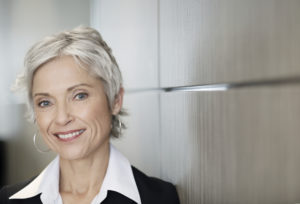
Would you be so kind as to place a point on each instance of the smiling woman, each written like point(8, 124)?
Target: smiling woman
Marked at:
point(71, 109)
point(75, 96)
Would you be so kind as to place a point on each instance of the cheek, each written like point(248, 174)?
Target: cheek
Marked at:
point(43, 120)
point(96, 114)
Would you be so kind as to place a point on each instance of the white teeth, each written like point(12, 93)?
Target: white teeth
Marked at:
point(66, 136)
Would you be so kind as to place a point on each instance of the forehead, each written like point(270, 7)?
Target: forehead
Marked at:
point(60, 74)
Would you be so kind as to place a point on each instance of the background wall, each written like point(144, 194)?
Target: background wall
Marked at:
point(235, 138)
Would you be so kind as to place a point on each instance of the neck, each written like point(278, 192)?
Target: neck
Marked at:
point(84, 176)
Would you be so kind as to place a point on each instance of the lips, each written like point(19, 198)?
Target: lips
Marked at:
point(69, 135)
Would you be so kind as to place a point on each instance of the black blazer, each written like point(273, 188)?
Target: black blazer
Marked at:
point(151, 190)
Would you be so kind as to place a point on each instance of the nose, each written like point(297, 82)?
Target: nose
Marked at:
point(63, 115)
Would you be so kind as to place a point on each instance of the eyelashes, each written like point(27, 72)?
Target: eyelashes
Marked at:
point(81, 96)
point(44, 103)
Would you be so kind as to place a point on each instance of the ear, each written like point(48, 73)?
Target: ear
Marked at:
point(118, 102)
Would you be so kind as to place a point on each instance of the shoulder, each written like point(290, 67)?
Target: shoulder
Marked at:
point(154, 190)
point(9, 190)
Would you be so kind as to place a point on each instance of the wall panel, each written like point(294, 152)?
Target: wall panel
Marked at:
point(215, 41)
point(130, 29)
point(141, 141)
point(240, 146)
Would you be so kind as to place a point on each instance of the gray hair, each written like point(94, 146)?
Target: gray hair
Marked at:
point(87, 47)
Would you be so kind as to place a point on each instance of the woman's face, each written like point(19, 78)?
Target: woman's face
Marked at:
point(71, 109)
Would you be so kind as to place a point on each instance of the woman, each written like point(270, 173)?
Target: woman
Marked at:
point(75, 95)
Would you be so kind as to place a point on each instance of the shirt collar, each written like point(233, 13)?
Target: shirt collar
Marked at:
point(119, 177)
point(46, 183)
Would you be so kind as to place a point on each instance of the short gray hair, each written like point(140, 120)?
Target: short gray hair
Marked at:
point(86, 46)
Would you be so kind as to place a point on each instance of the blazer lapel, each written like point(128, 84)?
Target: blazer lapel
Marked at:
point(115, 197)
point(33, 200)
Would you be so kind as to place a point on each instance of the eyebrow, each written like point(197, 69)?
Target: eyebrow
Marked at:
point(77, 85)
point(69, 89)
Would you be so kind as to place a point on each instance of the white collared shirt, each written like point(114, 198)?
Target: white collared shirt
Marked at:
point(119, 177)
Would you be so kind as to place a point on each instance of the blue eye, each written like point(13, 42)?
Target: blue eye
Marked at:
point(81, 96)
point(44, 104)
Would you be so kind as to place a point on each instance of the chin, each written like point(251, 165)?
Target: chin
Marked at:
point(72, 154)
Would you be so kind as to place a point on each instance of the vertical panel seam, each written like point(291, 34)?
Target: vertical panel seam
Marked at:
point(159, 85)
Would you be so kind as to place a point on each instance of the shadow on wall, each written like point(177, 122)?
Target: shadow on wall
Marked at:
point(2, 163)
point(21, 160)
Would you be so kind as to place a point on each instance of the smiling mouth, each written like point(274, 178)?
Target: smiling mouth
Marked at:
point(70, 135)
